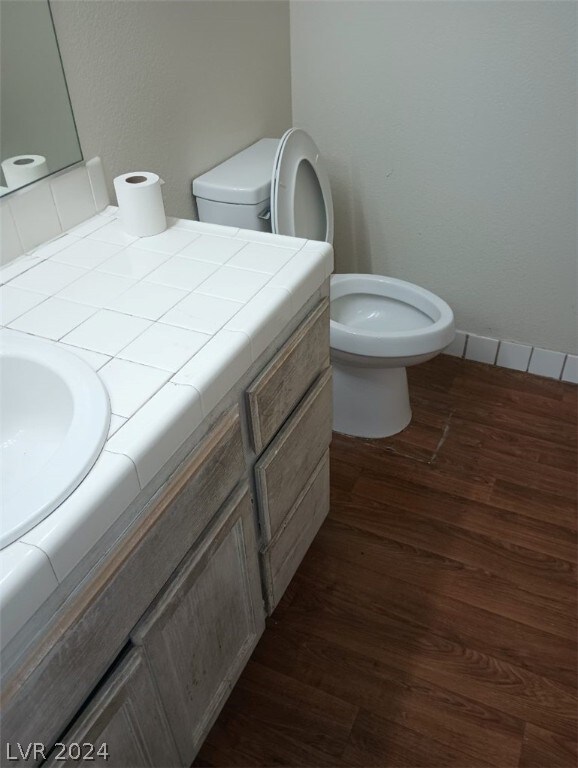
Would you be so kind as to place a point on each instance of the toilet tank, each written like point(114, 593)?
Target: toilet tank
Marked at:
point(237, 192)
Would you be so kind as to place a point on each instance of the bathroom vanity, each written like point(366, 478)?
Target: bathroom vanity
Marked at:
point(139, 645)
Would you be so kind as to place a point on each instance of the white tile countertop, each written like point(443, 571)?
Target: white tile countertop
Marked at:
point(171, 323)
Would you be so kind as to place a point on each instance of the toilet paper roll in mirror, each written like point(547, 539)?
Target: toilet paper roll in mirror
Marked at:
point(140, 203)
point(23, 169)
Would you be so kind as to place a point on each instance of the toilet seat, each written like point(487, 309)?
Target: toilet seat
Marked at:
point(424, 324)
point(301, 201)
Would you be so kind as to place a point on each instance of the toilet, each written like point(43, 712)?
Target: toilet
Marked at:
point(379, 325)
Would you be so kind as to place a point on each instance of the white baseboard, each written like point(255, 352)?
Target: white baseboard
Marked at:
point(518, 357)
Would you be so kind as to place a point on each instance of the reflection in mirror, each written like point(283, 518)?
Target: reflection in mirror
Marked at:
point(37, 131)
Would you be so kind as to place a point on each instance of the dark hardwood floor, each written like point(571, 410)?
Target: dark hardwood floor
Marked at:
point(433, 620)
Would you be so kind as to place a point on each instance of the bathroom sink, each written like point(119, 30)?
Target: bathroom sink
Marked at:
point(54, 419)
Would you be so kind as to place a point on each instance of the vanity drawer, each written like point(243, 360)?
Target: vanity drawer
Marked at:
point(53, 683)
point(285, 552)
point(281, 385)
point(282, 470)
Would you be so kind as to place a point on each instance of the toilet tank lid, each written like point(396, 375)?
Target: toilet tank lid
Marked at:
point(244, 178)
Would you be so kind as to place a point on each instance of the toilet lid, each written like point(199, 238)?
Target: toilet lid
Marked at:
point(301, 202)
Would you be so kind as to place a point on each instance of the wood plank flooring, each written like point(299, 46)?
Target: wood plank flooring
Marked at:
point(433, 620)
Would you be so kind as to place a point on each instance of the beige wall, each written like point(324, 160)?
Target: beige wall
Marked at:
point(449, 129)
point(174, 87)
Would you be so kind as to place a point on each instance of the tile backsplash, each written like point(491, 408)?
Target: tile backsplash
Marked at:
point(42, 211)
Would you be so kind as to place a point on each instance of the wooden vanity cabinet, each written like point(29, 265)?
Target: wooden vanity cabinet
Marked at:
point(144, 656)
point(45, 692)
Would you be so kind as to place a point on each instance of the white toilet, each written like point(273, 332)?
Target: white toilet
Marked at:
point(379, 325)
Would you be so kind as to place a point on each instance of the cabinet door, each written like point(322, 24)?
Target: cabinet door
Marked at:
point(124, 726)
point(201, 632)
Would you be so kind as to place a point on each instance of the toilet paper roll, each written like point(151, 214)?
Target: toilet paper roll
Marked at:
point(22, 169)
point(140, 203)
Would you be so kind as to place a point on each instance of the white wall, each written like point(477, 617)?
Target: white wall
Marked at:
point(449, 129)
point(174, 87)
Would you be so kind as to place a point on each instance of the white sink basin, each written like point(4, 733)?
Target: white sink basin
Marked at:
point(54, 419)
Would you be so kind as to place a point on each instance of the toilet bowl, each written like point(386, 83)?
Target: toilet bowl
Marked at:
point(379, 325)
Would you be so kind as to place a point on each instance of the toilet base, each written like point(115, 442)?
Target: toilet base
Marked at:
point(370, 402)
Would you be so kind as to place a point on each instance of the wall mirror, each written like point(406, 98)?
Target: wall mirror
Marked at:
point(37, 130)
